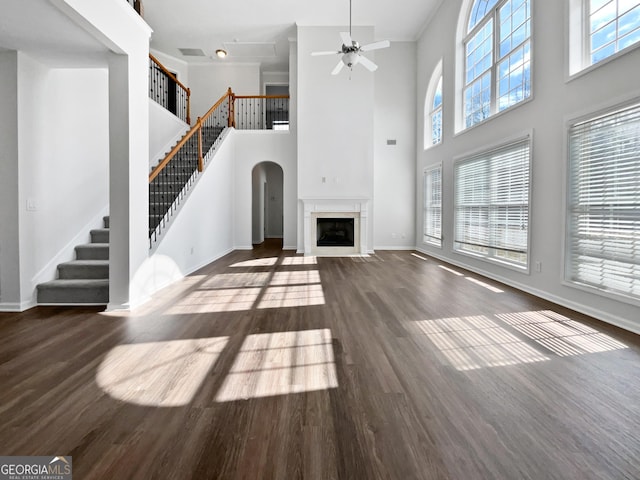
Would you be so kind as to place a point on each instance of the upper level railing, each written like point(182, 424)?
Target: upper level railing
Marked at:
point(168, 91)
point(261, 112)
point(170, 181)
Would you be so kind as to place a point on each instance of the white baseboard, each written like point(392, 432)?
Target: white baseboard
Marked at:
point(592, 312)
point(243, 247)
point(403, 247)
point(16, 307)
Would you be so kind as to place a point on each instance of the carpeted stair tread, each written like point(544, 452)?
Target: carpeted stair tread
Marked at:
point(93, 251)
point(100, 235)
point(84, 269)
point(74, 291)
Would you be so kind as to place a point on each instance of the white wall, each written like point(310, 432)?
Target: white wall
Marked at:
point(252, 148)
point(9, 206)
point(174, 65)
point(335, 120)
point(394, 165)
point(165, 130)
point(273, 78)
point(554, 101)
point(201, 232)
point(209, 82)
point(63, 144)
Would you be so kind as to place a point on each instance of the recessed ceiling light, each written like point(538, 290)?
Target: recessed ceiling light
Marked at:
point(221, 53)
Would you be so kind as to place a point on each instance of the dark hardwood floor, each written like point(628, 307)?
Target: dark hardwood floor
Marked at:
point(265, 365)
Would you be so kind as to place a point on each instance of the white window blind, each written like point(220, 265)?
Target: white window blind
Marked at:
point(603, 241)
point(433, 206)
point(492, 204)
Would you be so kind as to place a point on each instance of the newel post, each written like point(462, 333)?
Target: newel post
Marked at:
point(232, 113)
point(189, 106)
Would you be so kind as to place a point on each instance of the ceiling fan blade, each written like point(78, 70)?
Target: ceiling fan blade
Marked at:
point(316, 54)
point(338, 68)
point(375, 46)
point(366, 63)
point(346, 39)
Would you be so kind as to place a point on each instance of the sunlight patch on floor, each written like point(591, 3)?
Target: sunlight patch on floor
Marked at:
point(281, 363)
point(295, 277)
point(230, 280)
point(474, 342)
point(211, 301)
point(485, 285)
point(257, 262)
point(159, 374)
point(300, 260)
point(234, 292)
point(560, 334)
point(451, 270)
point(292, 296)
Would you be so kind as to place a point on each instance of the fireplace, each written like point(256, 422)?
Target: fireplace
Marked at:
point(335, 226)
point(334, 232)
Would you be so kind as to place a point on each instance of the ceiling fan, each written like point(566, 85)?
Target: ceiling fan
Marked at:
point(351, 51)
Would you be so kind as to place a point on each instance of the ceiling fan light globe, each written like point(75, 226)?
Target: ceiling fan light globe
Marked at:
point(350, 59)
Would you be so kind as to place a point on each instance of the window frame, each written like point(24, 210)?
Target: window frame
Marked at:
point(463, 37)
point(485, 151)
point(567, 238)
point(437, 242)
point(579, 41)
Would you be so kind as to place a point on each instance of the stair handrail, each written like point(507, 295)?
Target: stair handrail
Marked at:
point(186, 159)
point(173, 78)
point(196, 129)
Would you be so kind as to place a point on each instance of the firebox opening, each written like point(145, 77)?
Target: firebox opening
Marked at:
point(335, 232)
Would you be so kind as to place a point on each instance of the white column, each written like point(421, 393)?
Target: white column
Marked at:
point(128, 173)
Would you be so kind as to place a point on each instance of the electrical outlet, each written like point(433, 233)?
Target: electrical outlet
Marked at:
point(538, 267)
point(192, 250)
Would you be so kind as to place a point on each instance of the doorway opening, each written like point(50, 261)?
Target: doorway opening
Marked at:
point(267, 203)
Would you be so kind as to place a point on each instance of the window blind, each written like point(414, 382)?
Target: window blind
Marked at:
point(603, 241)
point(492, 203)
point(433, 206)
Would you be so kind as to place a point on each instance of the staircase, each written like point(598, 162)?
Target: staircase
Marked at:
point(168, 187)
point(84, 281)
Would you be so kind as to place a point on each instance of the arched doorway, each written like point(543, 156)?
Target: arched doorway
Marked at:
point(267, 202)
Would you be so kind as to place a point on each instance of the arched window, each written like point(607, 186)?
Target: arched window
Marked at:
point(600, 29)
point(433, 109)
point(497, 57)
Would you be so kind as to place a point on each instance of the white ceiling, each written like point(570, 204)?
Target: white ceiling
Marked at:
point(209, 24)
point(41, 30)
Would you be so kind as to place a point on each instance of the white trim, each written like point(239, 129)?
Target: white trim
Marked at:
point(17, 307)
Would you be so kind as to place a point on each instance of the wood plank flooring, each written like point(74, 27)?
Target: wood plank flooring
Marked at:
point(267, 365)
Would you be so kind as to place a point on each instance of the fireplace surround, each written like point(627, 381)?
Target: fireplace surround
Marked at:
point(342, 212)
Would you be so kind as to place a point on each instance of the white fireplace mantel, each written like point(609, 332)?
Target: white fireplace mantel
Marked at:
point(342, 207)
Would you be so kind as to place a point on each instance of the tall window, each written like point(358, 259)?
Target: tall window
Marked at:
point(603, 221)
point(613, 25)
point(497, 52)
point(433, 109)
point(436, 115)
point(492, 204)
point(433, 206)
point(600, 29)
